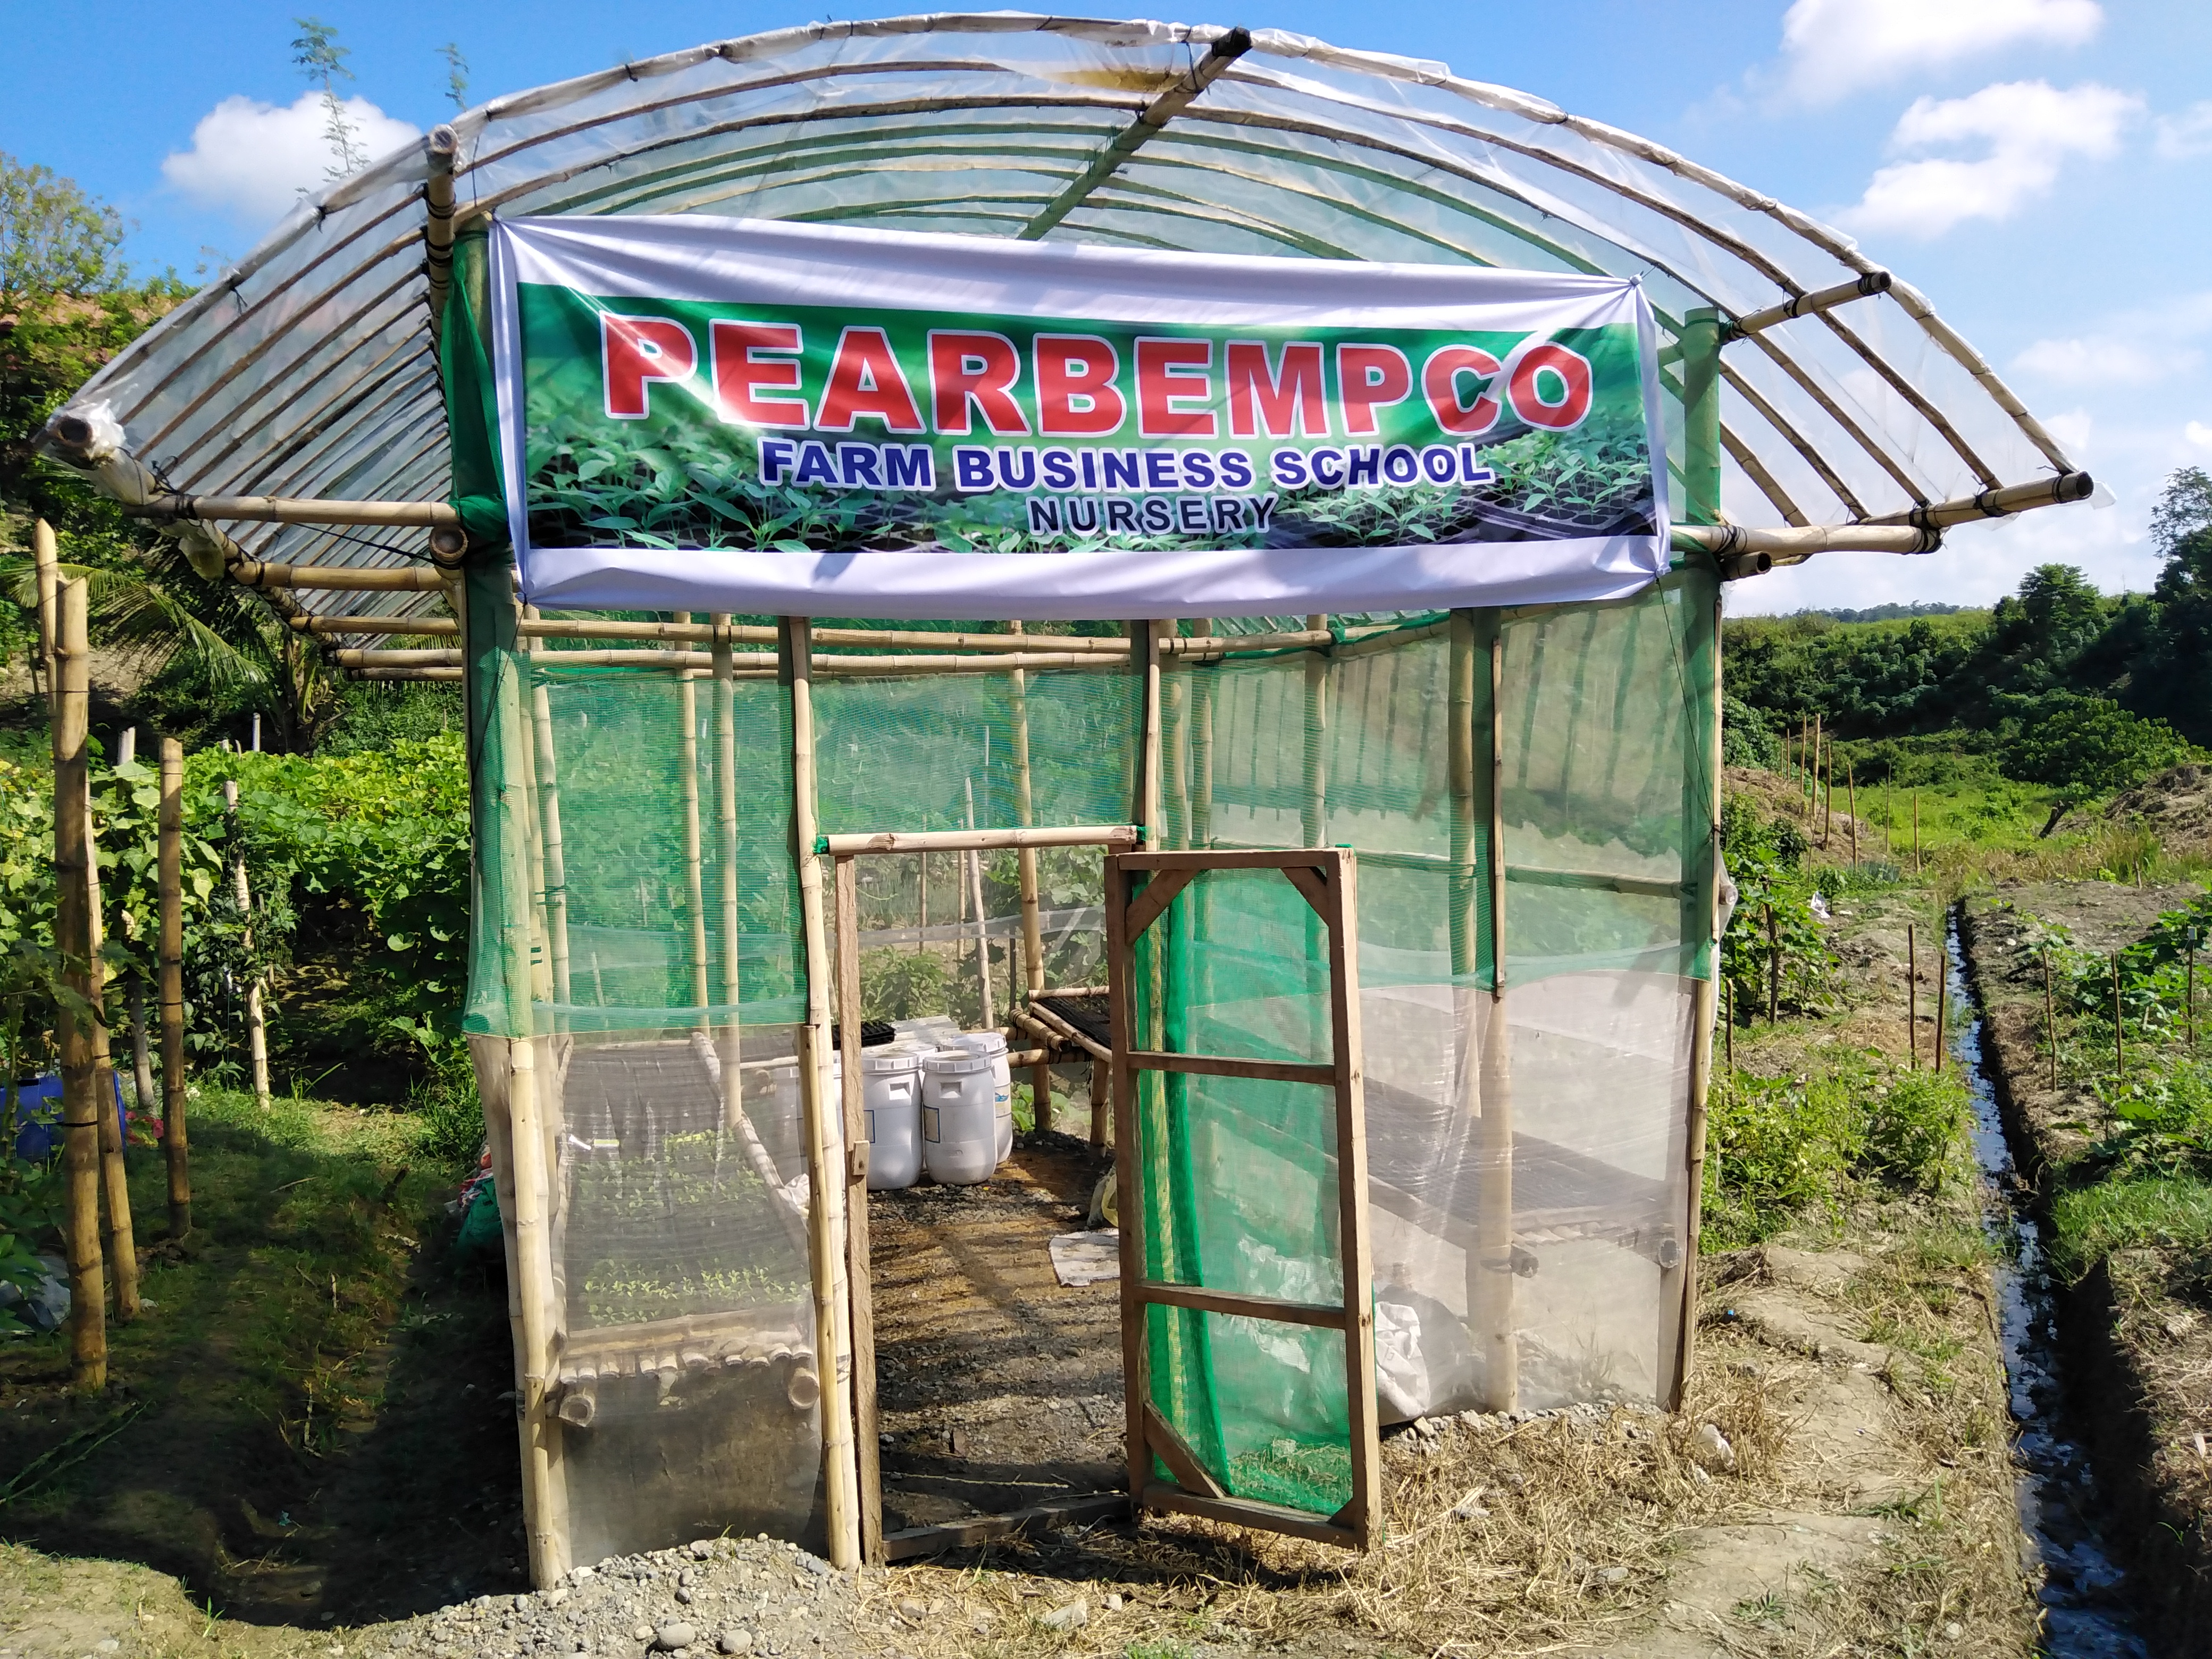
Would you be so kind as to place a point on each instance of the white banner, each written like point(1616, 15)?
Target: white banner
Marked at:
point(759, 418)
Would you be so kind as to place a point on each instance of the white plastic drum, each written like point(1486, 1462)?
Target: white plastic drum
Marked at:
point(891, 1107)
point(782, 1129)
point(959, 1117)
point(993, 1046)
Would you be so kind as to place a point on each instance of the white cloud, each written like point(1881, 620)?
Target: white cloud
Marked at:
point(2104, 359)
point(2140, 347)
point(2198, 433)
point(2072, 429)
point(253, 159)
point(2029, 128)
point(1832, 48)
point(2190, 133)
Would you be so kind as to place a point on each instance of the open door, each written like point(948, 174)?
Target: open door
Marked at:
point(1248, 1339)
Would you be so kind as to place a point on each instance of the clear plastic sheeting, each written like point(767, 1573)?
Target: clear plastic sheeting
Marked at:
point(310, 370)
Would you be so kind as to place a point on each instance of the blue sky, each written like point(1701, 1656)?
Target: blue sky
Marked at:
point(2040, 169)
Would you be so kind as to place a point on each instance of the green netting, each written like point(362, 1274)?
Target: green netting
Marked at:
point(1526, 1119)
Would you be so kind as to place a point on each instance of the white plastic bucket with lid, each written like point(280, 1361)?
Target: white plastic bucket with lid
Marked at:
point(959, 1117)
point(891, 1107)
point(783, 1131)
point(993, 1046)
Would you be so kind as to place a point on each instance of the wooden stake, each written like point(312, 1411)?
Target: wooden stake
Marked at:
point(2189, 992)
point(1773, 968)
point(825, 1215)
point(1911, 997)
point(2050, 1018)
point(2120, 1036)
point(1916, 832)
point(868, 1460)
point(256, 1034)
point(1032, 929)
point(81, 1107)
point(170, 867)
point(1729, 1015)
point(1851, 806)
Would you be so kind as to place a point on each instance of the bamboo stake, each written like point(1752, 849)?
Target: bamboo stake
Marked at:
point(1851, 806)
point(82, 1108)
point(531, 1194)
point(114, 1174)
point(552, 852)
point(1916, 832)
point(1773, 968)
point(1888, 821)
point(2050, 1018)
point(1314, 819)
point(1494, 1293)
point(974, 872)
point(2189, 992)
point(726, 822)
point(1911, 997)
point(45, 557)
point(825, 1182)
point(1729, 987)
point(868, 1460)
point(171, 866)
point(256, 1034)
point(1032, 929)
point(695, 892)
point(2119, 1035)
point(921, 929)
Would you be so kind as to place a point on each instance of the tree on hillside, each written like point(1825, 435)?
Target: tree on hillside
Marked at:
point(2175, 677)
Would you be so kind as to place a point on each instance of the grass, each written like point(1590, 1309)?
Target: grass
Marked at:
point(2166, 1212)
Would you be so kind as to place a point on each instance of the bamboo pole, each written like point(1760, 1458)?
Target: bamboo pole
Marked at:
point(339, 578)
point(825, 1182)
point(2050, 1018)
point(547, 1519)
point(1114, 836)
point(81, 1107)
point(114, 1172)
point(256, 1034)
point(921, 886)
point(729, 1036)
point(1314, 815)
point(868, 1459)
point(2189, 992)
point(1916, 832)
point(1942, 1003)
point(973, 863)
point(175, 1146)
point(1773, 968)
point(1911, 997)
point(2119, 1033)
point(1496, 1332)
point(552, 852)
point(1032, 929)
point(694, 891)
point(295, 509)
point(1728, 1017)
point(45, 557)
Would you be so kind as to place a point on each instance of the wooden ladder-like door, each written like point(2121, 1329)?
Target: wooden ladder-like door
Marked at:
point(1141, 889)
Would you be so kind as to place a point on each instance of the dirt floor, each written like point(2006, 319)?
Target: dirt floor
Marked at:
point(2133, 1340)
point(998, 1387)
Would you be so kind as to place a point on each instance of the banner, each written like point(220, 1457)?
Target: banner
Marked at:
point(754, 416)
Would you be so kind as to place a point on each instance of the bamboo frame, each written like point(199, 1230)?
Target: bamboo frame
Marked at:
point(170, 861)
point(81, 1107)
point(114, 1173)
point(291, 509)
point(729, 1034)
point(552, 855)
point(1492, 1290)
point(1808, 304)
point(977, 841)
point(971, 864)
point(1026, 870)
point(1327, 877)
point(339, 578)
point(826, 1184)
point(45, 560)
point(694, 891)
point(859, 1276)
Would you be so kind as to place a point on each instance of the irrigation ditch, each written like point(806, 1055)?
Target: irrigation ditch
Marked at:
point(2123, 1563)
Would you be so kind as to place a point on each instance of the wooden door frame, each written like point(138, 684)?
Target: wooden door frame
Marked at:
point(1326, 878)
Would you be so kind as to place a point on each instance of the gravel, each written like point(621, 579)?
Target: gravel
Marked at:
point(720, 1595)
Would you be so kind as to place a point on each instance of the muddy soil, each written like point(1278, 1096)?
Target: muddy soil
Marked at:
point(2131, 1341)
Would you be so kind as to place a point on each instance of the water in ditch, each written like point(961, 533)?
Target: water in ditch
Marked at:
point(2085, 1593)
